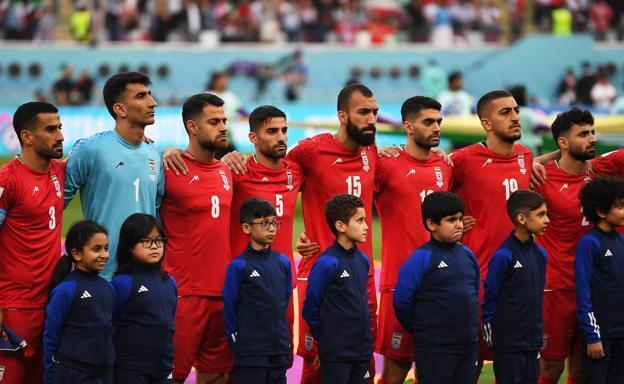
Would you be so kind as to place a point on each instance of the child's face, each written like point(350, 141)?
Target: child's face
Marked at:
point(357, 228)
point(615, 216)
point(449, 230)
point(262, 231)
point(537, 221)
point(94, 255)
point(150, 249)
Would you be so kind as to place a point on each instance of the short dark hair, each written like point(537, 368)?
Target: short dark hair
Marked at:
point(255, 208)
point(135, 228)
point(599, 195)
point(415, 104)
point(454, 75)
point(262, 114)
point(116, 85)
point(341, 207)
point(438, 205)
point(194, 105)
point(486, 99)
point(523, 201)
point(26, 115)
point(565, 120)
point(345, 94)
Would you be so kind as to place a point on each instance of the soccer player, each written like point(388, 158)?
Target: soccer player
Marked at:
point(196, 216)
point(31, 213)
point(407, 177)
point(485, 174)
point(599, 278)
point(116, 172)
point(574, 134)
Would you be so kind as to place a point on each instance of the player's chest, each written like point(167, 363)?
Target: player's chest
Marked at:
point(128, 167)
point(491, 176)
point(405, 180)
point(41, 197)
point(200, 188)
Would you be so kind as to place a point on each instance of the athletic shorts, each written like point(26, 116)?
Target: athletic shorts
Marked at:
point(562, 337)
point(15, 368)
point(199, 338)
point(484, 351)
point(392, 341)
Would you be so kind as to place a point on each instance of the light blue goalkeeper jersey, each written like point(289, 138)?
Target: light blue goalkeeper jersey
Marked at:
point(115, 179)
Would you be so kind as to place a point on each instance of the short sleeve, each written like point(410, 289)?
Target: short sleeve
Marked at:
point(7, 190)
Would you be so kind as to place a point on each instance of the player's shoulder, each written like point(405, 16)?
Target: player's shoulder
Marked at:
point(91, 144)
point(122, 280)
point(150, 149)
point(521, 149)
point(283, 259)
point(590, 239)
point(310, 142)
point(542, 250)
point(9, 172)
point(504, 252)
point(293, 166)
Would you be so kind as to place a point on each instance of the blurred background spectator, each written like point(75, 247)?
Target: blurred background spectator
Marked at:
point(454, 100)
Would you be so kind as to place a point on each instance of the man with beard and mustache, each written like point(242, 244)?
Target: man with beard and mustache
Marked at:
point(117, 173)
point(196, 217)
point(31, 213)
point(574, 134)
point(485, 174)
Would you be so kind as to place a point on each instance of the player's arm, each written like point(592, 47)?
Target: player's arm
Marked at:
point(321, 275)
point(411, 276)
point(160, 191)
point(79, 164)
point(7, 199)
point(122, 286)
point(611, 163)
point(497, 272)
point(586, 250)
point(56, 313)
point(288, 281)
point(231, 299)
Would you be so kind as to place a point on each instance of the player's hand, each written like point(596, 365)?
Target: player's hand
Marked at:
point(595, 351)
point(147, 140)
point(538, 175)
point(316, 363)
point(442, 153)
point(390, 151)
point(236, 162)
point(306, 247)
point(173, 160)
point(469, 223)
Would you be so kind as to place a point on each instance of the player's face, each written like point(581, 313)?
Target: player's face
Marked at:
point(360, 119)
point(262, 231)
point(357, 228)
point(138, 104)
point(153, 253)
point(503, 119)
point(94, 255)
point(580, 142)
point(209, 128)
point(450, 229)
point(271, 139)
point(615, 216)
point(46, 137)
point(424, 129)
point(537, 220)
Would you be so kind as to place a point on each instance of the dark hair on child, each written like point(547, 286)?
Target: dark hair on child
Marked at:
point(255, 208)
point(135, 228)
point(341, 208)
point(599, 195)
point(523, 201)
point(438, 205)
point(78, 236)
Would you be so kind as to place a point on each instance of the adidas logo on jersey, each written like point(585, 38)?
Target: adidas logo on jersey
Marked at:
point(517, 265)
point(411, 172)
point(442, 264)
point(195, 178)
point(366, 375)
point(338, 160)
point(85, 295)
point(488, 161)
point(142, 288)
point(345, 274)
point(608, 253)
point(254, 274)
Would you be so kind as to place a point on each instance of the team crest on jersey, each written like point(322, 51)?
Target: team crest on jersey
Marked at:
point(289, 180)
point(521, 163)
point(152, 166)
point(309, 342)
point(57, 186)
point(397, 337)
point(226, 182)
point(365, 163)
point(439, 177)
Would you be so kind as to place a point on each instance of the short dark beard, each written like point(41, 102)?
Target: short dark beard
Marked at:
point(212, 146)
point(580, 155)
point(356, 135)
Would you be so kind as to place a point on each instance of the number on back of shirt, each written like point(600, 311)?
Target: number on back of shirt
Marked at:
point(354, 186)
point(511, 186)
point(279, 205)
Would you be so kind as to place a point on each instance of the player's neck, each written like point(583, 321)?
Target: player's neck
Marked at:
point(345, 242)
point(572, 165)
point(200, 154)
point(347, 143)
point(133, 134)
point(498, 146)
point(257, 246)
point(606, 227)
point(268, 162)
point(522, 234)
point(418, 153)
point(34, 161)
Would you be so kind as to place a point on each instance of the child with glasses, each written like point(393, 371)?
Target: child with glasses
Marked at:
point(144, 305)
point(257, 289)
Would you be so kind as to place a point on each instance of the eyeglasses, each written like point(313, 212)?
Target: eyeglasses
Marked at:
point(265, 225)
point(159, 241)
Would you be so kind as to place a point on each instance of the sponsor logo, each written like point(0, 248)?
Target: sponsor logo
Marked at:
point(564, 186)
point(143, 288)
point(195, 178)
point(254, 274)
point(411, 172)
point(35, 190)
point(517, 265)
point(337, 161)
point(488, 161)
point(120, 164)
point(442, 264)
point(85, 295)
point(344, 274)
point(608, 253)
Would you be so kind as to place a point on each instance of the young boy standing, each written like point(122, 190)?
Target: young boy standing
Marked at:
point(514, 291)
point(258, 286)
point(599, 279)
point(336, 307)
point(435, 297)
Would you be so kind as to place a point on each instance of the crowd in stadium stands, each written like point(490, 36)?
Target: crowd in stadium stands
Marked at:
point(440, 22)
point(591, 87)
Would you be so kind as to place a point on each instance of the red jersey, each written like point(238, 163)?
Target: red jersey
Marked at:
point(277, 186)
point(567, 223)
point(196, 217)
point(401, 184)
point(30, 236)
point(485, 180)
point(329, 170)
point(611, 163)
